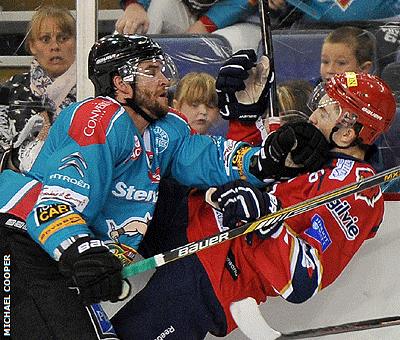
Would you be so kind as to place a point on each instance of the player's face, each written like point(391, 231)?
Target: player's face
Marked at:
point(53, 49)
point(151, 88)
point(337, 58)
point(325, 115)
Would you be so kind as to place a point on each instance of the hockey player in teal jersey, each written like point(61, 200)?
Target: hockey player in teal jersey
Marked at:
point(94, 187)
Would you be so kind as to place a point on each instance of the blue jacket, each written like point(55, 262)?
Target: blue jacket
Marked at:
point(100, 175)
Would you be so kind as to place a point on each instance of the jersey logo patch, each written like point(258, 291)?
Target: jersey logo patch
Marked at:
point(342, 169)
point(76, 161)
point(63, 222)
point(91, 120)
point(371, 195)
point(162, 139)
point(46, 213)
point(318, 232)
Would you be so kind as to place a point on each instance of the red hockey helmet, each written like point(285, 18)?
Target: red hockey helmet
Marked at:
point(365, 99)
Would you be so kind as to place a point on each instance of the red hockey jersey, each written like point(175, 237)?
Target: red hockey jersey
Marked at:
point(307, 254)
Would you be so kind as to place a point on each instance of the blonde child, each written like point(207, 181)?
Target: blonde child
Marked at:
point(196, 97)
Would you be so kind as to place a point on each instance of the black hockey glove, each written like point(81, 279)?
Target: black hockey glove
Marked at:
point(241, 202)
point(293, 149)
point(94, 271)
point(243, 86)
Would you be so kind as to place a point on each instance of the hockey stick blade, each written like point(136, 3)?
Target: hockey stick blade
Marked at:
point(269, 220)
point(343, 328)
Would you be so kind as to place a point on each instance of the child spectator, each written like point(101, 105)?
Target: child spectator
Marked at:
point(293, 95)
point(347, 49)
point(196, 97)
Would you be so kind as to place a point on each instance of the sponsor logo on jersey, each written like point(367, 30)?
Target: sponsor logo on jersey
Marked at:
point(63, 222)
point(76, 161)
point(132, 194)
point(124, 253)
point(318, 232)
point(342, 169)
point(46, 213)
point(54, 192)
point(371, 195)
point(137, 150)
point(237, 160)
point(91, 120)
point(340, 210)
point(71, 180)
point(162, 139)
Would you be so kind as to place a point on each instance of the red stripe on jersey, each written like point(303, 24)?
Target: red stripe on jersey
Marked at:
point(91, 120)
point(25, 205)
point(182, 115)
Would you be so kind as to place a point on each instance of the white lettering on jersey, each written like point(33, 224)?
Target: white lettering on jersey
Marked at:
point(71, 180)
point(95, 116)
point(342, 169)
point(131, 193)
point(340, 211)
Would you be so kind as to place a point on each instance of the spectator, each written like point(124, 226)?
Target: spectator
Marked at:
point(295, 258)
point(332, 11)
point(293, 95)
point(36, 98)
point(196, 97)
point(224, 17)
point(347, 49)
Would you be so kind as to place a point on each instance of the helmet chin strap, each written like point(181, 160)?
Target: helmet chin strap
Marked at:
point(132, 104)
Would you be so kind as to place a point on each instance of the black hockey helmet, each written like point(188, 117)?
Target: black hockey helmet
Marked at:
point(119, 53)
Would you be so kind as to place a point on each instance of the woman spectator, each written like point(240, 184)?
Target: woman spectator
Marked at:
point(35, 98)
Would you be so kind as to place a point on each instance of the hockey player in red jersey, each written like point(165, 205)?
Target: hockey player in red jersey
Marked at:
point(295, 259)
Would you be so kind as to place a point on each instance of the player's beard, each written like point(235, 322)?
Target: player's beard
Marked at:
point(149, 102)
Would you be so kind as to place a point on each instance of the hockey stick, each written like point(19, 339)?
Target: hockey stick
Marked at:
point(296, 209)
point(266, 41)
point(343, 328)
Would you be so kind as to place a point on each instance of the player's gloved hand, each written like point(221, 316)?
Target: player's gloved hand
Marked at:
point(94, 271)
point(293, 149)
point(241, 202)
point(243, 86)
